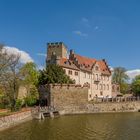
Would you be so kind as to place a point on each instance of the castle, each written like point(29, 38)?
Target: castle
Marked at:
point(83, 70)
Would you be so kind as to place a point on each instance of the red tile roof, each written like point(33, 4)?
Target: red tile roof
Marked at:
point(89, 62)
point(64, 62)
point(84, 63)
point(103, 67)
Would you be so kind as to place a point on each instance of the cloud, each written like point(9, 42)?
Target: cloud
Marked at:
point(24, 56)
point(40, 67)
point(85, 22)
point(111, 68)
point(42, 54)
point(133, 73)
point(96, 27)
point(80, 33)
point(85, 19)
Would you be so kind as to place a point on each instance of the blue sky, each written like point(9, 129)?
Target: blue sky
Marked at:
point(100, 29)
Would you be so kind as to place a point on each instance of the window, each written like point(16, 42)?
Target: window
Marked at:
point(118, 89)
point(76, 73)
point(93, 76)
point(89, 75)
point(101, 93)
point(96, 86)
point(107, 87)
point(96, 68)
point(70, 72)
point(104, 87)
point(85, 75)
point(108, 78)
point(102, 77)
point(96, 76)
point(113, 88)
point(100, 86)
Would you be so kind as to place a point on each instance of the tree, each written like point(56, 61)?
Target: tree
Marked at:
point(120, 77)
point(9, 77)
point(135, 86)
point(53, 74)
point(29, 74)
point(29, 78)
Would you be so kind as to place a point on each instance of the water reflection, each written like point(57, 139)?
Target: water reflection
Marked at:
point(120, 126)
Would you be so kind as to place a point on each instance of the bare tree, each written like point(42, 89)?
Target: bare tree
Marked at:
point(9, 74)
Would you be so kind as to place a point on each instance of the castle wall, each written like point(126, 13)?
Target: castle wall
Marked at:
point(68, 95)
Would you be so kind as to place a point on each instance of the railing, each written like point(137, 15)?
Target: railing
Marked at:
point(96, 80)
point(42, 109)
point(116, 99)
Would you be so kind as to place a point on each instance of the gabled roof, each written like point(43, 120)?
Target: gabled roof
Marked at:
point(85, 62)
point(88, 63)
point(103, 67)
point(64, 62)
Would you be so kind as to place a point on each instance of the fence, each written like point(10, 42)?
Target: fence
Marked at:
point(117, 99)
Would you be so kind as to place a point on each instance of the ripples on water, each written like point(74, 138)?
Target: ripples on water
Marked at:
point(119, 126)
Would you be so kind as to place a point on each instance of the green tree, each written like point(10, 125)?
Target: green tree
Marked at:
point(120, 77)
point(135, 86)
point(29, 74)
point(53, 74)
point(32, 98)
point(29, 78)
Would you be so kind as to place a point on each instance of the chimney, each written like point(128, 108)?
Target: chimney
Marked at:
point(71, 52)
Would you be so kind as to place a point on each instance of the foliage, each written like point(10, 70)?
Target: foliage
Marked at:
point(29, 74)
point(136, 85)
point(53, 74)
point(120, 77)
point(9, 76)
point(32, 98)
point(18, 104)
point(124, 88)
point(4, 102)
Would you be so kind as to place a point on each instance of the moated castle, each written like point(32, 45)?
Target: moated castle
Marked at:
point(83, 70)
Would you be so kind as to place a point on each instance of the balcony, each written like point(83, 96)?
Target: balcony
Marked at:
point(96, 80)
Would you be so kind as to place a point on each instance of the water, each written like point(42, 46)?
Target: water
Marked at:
point(119, 126)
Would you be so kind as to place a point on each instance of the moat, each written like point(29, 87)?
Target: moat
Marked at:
point(111, 126)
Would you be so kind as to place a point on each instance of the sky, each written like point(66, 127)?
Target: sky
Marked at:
point(101, 29)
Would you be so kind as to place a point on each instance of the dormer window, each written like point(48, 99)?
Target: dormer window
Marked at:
point(96, 68)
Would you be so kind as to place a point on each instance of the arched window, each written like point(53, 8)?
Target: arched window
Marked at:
point(107, 87)
point(93, 76)
point(96, 76)
point(118, 89)
point(96, 86)
point(104, 87)
point(113, 88)
point(100, 86)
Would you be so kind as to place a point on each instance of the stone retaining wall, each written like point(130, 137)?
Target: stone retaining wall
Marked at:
point(72, 99)
point(16, 118)
point(102, 108)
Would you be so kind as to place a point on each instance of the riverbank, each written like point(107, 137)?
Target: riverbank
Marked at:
point(109, 107)
point(8, 121)
point(89, 108)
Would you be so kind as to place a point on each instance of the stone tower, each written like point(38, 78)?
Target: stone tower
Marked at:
point(56, 50)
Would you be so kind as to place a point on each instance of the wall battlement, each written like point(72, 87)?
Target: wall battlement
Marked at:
point(57, 48)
